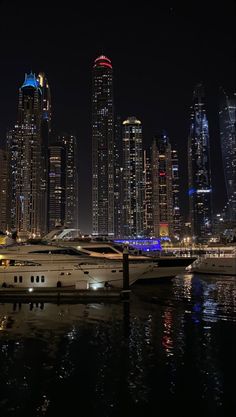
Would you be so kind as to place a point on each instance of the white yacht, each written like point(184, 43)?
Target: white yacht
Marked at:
point(163, 266)
point(222, 261)
point(29, 266)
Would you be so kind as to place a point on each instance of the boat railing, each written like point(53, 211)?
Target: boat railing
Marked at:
point(219, 255)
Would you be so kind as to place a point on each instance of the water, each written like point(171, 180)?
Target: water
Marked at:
point(170, 351)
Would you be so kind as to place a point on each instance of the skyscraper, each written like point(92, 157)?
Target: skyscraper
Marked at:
point(147, 206)
point(56, 185)
point(3, 191)
point(227, 116)
point(102, 148)
point(118, 175)
point(162, 197)
point(46, 117)
point(12, 152)
point(63, 182)
point(71, 181)
point(199, 173)
point(175, 194)
point(133, 179)
point(28, 148)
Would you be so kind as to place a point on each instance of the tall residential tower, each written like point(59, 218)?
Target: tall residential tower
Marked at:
point(102, 148)
point(227, 115)
point(45, 138)
point(133, 178)
point(27, 146)
point(162, 198)
point(200, 191)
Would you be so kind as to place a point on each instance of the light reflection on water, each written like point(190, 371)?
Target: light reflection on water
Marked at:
point(173, 345)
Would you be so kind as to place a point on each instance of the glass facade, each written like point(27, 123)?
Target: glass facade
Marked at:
point(102, 148)
point(227, 116)
point(200, 191)
point(162, 186)
point(28, 146)
point(133, 178)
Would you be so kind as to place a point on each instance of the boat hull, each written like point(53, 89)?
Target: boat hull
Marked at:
point(82, 275)
point(215, 266)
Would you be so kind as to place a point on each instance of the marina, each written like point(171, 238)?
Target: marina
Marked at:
point(122, 358)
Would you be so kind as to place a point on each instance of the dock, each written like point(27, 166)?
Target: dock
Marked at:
point(59, 295)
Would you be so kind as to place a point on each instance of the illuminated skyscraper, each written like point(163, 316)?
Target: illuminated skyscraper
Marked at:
point(71, 180)
point(3, 191)
point(162, 196)
point(56, 185)
point(133, 179)
point(227, 115)
point(148, 212)
point(175, 194)
point(118, 175)
point(28, 160)
point(46, 117)
point(63, 182)
point(102, 148)
point(199, 169)
point(12, 152)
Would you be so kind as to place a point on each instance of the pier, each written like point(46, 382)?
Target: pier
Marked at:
point(59, 295)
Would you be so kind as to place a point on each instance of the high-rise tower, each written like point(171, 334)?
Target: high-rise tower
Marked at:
point(102, 148)
point(56, 186)
point(46, 117)
point(71, 180)
point(227, 115)
point(199, 169)
point(118, 174)
point(162, 197)
point(175, 191)
point(3, 191)
point(133, 179)
point(28, 148)
point(148, 214)
point(63, 182)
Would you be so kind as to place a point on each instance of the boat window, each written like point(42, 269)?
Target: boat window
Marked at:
point(42, 278)
point(15, 279)
point(32, 279)
point(24, 263)
point(40, 251)
point(17, 262)
point(37, 279)
point(62, 251)
point(102, 249)
point(20, 279)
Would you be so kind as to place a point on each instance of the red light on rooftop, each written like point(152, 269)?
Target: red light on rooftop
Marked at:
point(162, 174)
point(102, 61)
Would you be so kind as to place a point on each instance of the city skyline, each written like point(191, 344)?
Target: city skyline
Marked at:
point(155, 84)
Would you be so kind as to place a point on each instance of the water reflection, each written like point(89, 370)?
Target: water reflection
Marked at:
point(172, 345)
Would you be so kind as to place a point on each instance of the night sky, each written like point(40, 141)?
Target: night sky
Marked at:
point(158, 56)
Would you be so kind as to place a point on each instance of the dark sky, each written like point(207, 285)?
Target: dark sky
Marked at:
point(158, 54)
